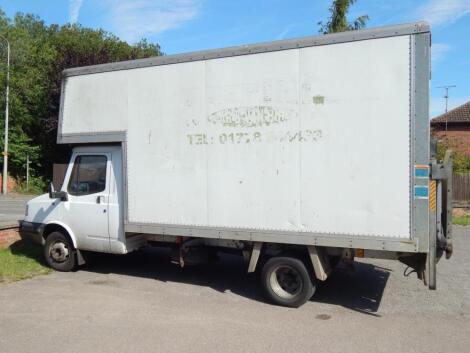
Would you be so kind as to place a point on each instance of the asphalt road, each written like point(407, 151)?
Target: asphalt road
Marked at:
point(12, 206)
point(141, 303)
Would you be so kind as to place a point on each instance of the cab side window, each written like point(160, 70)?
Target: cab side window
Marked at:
point(88, 175)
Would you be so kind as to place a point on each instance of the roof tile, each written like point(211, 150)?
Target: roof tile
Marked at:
point(460, 114)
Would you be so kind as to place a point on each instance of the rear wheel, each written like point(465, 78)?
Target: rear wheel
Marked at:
point(287, 282)
point(59, 252)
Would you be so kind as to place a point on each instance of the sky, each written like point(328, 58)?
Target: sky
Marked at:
point(187, 25)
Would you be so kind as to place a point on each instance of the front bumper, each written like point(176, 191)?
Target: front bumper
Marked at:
point(31, 231)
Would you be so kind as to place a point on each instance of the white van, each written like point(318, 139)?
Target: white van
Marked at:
point(281, 151)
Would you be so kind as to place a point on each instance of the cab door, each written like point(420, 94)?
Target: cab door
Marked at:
point(86, 211)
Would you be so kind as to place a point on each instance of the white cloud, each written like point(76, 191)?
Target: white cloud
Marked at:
point(439, 12)
point(438, 51)
point(133, 20)
point(74, 10)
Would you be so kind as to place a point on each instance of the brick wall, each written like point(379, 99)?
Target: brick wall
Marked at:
point(8, 236)
point(11, 183)
point(456, 138)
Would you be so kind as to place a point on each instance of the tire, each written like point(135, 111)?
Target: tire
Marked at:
point(287, 282)
point(59, 252)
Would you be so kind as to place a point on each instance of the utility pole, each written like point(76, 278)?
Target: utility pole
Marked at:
point(446, 96)
point(5, 146)
point(27, 172)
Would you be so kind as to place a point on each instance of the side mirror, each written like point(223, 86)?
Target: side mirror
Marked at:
point(51, 190)
point(62, 195)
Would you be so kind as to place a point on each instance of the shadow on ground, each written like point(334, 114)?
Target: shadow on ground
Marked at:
point(360, 290)
point(228, 274)
point(28, 249)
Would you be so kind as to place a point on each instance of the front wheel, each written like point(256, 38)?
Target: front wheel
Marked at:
point(287, 282)
point(59, 252)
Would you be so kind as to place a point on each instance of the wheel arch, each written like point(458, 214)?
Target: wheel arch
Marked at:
point(61, 227)
point(314, 258)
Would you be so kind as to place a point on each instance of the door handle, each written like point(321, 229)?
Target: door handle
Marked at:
point(100, 199)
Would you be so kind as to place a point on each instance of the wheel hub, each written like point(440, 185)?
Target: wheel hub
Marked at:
point(59, 252)
point(286, 282)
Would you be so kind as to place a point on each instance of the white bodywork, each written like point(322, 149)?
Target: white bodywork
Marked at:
point(91, 225)
point(315, 139)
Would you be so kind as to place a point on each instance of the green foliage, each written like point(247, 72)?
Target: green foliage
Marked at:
point(39, 54)
point(461, 162)
point(461, 220)
point(21, 147)
point(338, 21)
point(37, 186)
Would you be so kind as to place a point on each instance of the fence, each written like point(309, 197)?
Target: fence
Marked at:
point(461, 193)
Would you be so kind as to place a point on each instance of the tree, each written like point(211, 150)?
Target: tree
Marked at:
point(39, 54)
point(338, 21)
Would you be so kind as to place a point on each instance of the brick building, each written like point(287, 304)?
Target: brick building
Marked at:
point(453, 129)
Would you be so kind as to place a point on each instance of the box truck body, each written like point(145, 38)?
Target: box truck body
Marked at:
point(320, 142)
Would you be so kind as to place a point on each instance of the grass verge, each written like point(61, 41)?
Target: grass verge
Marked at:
point(20, 261)
point(461, 220)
